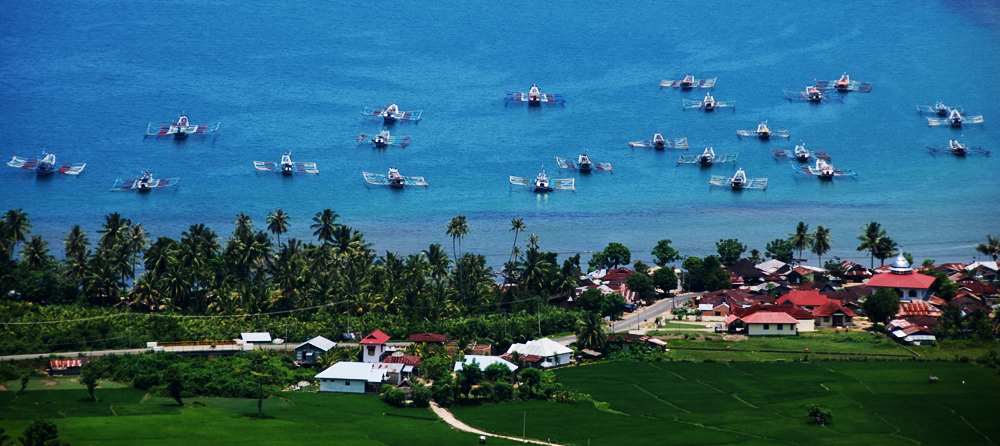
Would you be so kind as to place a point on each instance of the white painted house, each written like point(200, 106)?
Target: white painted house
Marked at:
point(256, 338)
point(766, 323)
point(484, 362)
point(552, 353)
point(309, 352)
point(351, 377)
point(373, 346)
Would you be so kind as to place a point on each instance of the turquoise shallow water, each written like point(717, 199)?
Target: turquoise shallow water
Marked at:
point(84, 80)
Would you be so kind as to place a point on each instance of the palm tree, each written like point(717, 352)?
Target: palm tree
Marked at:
point(138, 240)
point(458, 227)
point(887, 247)
point(438, 259)
point(517, 225)
point(533, 241)
point(870, 237)
point(590, 331)
point(325, 223)
point(75, 243)
point(244, 226)
point(990, 248)
point(113, 230)
point(18, 224)
point(801, 239)
point(35, 253)
point(277, 223)
point(821, 243)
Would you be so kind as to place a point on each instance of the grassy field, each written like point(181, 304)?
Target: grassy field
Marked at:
point(760, 404)
point(126, 416)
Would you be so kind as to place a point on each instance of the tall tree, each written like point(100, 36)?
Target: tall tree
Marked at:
point(821, 243)
point(18, 225)
point(244, 226)
point(457, 228)
point(41, 433)
point(780, 249)
point(277, 223)
point(113, 231)
point(730, 251)
point(801, 239)
point(886, 248)
point(590, 331)
point(35, 253)
point(174, 380)
point(76, 243)
point(991, 248)
point(324, 224)
point(870, 237)
point(664, 253)
point(516, 225)
point(90, 374)
point(616, 254)
point(882, 305)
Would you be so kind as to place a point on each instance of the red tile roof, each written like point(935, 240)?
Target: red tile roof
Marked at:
point(428, 337)
point(403, 358)
point(890, 280)
point(620, 273)
point(917, 308)
point(804, 297)
point(791, 310)
point(377, 338)
point(767, 317)
point(832, 307)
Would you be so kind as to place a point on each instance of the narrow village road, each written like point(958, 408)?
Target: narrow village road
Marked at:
point(458, 425)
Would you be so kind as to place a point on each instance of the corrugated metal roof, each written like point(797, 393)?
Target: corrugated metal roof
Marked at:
point(540, 347)
point(484, 362)
point(890, 280)
point(355, 371)
point(376, 337)
point(319, 342)
point(767, 317)
point(256, 337)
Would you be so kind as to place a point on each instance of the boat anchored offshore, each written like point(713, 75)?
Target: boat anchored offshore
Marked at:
point(708, 157)
point(763, 132)
point(179, 129)
point(534, 96)
point(955, 119)
point(659, 143)
point(689, 81)
point(823, 170)
point(393, 179)
point(801, 153)
point(709, 103)
point(811, 94)
point(384, 139)
point(938, 109)
point(583, 164)
point(46, 165)
point(391, 114)
point(144, 183)
point(738, 181)
point(844, 84)
point(542, 182)
point(286, 166)
point(958, 148)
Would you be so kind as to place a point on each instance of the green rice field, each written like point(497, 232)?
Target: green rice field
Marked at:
point(126, 416)
point(884, 403)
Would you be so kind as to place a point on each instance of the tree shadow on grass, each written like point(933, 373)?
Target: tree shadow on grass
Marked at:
point(253, 416)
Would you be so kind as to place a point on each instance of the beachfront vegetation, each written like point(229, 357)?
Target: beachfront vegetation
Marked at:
point(780, 249)
point(730, 250)
point(613, 256)
point(120, 287)
point(706, 274)
point(664, 253)
point(991, 248)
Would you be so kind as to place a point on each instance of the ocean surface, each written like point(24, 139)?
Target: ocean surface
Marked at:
point(83, 79)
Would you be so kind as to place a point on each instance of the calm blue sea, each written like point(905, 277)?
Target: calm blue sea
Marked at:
point(83, 79)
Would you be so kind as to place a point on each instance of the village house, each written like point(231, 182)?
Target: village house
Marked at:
point(62, 367)
point(483, 362)
point(806, 299)
point(854, 272)
point(767, 323)
point(309, 352)
point(373, 346)
point(256, 338)
point(549, 353)
point(805, 320)
point(431, 338)
point(833, 314)
point(351, 377)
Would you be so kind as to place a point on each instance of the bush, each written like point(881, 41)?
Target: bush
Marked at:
point(421, 394)
point(395, 396)
point(502, 392)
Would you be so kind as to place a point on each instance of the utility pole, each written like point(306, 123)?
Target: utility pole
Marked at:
point(524, 428)
point(538, 311)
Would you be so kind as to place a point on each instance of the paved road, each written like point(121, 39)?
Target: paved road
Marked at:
point(630, 321)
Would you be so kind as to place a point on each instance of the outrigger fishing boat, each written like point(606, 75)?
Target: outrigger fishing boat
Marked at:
point(384, 139)
point(659, 142)
point(542, 182)
point(180, 129)
point(801, 153)
point(708, 157)
point(392, 114)
point(144, 183)
point(583, 164)
point(823, 170)
point(738, 181)
point(689, 82)
point(958, 148)
point(46, 165)
point(812, 94)
point(393, 179)
point(533, 96)
point(709, 103)
point(955, 119)
point(763, 132)
point(287, 166)
point(939, 109)
point(844, 84)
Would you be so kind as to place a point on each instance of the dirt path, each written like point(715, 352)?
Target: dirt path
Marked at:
point(458, 425)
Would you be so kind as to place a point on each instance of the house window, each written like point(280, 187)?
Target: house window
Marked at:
point(347, 383)
point(826, 318)
point(767, 326)
point(371, 350)
point(718, 313)
point(913, 293)
point(781, 326)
